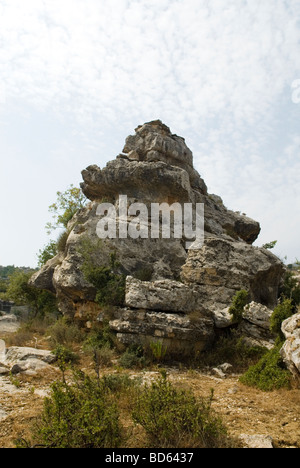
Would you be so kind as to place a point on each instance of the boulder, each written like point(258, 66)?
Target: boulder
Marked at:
point(29, 366)
point(223, 267)
point(290, 351)
point(162, 295)
point(258, 314)
point(24, 359)
point(222, 318)
point(16, 353)
point(2, 351)
point(9, 323)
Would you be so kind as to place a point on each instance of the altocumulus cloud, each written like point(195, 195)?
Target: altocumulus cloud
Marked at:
point(217, 72)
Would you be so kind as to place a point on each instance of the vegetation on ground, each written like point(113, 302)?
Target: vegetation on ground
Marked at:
point(80, 414)
point(175, 418)
point(269, 373)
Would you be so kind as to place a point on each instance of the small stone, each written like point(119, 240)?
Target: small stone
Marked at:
point(4, 371)
point(218, 373)
point(225, 367)
point(257, 441)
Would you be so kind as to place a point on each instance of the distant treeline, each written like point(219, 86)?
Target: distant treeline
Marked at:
point(6, 271)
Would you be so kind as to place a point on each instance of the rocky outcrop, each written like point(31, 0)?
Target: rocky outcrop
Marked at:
point(224, 266)
point(179, 334)
point(164, 295)
point(166, 282)
point(290, 351)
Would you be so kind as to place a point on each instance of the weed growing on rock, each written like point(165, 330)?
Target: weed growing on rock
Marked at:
point(238, 303)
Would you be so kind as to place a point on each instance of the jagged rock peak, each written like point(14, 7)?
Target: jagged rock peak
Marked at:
point(154, 163)
point(153, 141)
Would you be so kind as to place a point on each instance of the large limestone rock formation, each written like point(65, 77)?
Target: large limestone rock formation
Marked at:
point(186, 291)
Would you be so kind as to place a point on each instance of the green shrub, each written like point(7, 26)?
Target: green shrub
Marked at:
point(79, 415)
point(238, 303)
point(144, 274)
point(133, 357)
point(99, 337)
point(269, 373)
point(290, 288)
point(282, 312)
point(103, 356)
point(174, 418)
point(65, 358)
point(232, 348)
point(39, 301)
point(118, 383)
point(66, 333)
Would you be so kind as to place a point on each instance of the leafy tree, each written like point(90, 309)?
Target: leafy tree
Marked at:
point(65, 207)
point(63, 210)
point(48, 252)
point(20, 292)
point(3, 286)
point(6, 271)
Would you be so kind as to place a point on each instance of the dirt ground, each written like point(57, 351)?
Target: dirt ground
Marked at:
point(244, 410)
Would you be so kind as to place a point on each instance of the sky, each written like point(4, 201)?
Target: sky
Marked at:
point(78, 76)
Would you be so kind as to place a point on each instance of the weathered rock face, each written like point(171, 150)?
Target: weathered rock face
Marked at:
point(157, 167)
point(290, 351)
point(223, 267)
point(163, 295)
point(179, 334)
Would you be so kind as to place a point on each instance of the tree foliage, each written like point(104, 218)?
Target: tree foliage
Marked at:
point(65, 207)
point(63, 210)
point(20, 292)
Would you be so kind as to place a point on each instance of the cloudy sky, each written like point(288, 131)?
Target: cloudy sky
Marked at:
point(77, 76)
